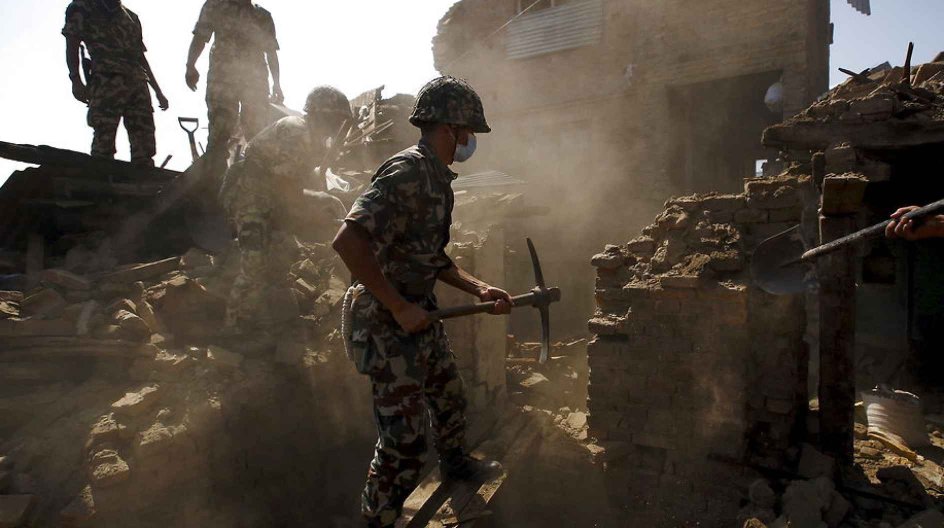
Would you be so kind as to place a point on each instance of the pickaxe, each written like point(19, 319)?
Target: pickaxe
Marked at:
point(540, 297)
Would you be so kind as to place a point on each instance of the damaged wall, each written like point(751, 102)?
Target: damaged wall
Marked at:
point(691, 360)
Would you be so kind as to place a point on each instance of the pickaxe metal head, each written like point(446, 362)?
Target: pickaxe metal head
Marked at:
point(543, 299)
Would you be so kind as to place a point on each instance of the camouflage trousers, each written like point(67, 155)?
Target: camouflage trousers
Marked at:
point(415, 381)
point(231, 104)
point(116, 97)
point(266, 253)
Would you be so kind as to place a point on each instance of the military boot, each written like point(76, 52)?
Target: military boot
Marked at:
point(456, 465)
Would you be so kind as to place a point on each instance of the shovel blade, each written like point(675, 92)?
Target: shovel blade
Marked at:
point(768, 269)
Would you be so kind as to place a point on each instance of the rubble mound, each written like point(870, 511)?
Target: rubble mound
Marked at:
point(124, 403)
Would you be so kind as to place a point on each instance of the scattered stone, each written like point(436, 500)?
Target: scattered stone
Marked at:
point(108, 469)
point(44, 303)
point(195, 258)
point(189, 310)
point(14, 510)
point(224, 358)
point(805, 502)
point(11, 296)
point(159, 439)
point(65, 279)
point(107, 431)
point(762, 495)
point(131, 327)
point(814, 464)
point(306, 289)
point(838, 510)
point(137, 403)
point(121, 304)
point(81, 510)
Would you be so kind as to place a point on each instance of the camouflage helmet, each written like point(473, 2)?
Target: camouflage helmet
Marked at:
point(449, 100)
point(328, 99)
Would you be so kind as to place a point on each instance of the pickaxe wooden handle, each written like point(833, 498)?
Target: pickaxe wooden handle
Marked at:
point(541, 297)
point(536, 298)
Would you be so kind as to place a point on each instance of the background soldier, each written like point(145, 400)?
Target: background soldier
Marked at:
point(238, 80)
point(120, 74)
point(394, 241)
point(264, 193)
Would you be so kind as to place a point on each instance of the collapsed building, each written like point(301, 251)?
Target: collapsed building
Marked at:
point(699, 379)
point(628, 98)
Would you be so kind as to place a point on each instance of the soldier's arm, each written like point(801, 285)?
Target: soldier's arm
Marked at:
point(352, 244)
point(197, 45)
point(73, 59)
point(272, 57)
point(152, 80)
point(201, 35)
point(465, 281)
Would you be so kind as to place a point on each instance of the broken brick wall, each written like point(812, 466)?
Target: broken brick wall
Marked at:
point(692, 362)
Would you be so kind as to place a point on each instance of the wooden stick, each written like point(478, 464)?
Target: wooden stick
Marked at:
point(906, 75)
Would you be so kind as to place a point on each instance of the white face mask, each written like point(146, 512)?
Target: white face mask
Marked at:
point(464, 152)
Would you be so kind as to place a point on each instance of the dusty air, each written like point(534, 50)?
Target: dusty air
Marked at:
point(604, 264)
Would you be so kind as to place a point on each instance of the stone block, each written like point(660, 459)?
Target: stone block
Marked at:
point(875, 108)
point(195, 258)
point(843, 194)
point(841, 158)
point(15, 509)
point(724, 202)
point(65, 279)
point(611, 258)
point(159, 439)
point(687, 282)
point(306, 289)
point(751, 216)
point(108, 469)
point(814, 464)
point(643, 246)
point(46, 302)
point(135, 404)
point(131, 327)
point(107, 431)
point(81, 510)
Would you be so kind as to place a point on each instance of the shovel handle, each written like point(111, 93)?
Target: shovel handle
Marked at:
point(872, 232)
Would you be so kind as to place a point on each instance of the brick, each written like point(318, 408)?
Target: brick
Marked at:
point(724, 202)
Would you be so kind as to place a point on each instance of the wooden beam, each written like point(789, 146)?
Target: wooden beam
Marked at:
point(889, 134)
point(837, 314)
point(50, 156)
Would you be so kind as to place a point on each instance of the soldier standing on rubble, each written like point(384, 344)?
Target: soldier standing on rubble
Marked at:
point(393, 241)
point(262, 194)
point(245, 51)
point(118, 78)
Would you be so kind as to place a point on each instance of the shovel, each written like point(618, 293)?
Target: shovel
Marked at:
point(195, 124)
point(782, 265)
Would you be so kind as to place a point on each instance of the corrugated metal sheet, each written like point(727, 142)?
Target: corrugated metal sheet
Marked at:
point(569, 26)
point(862, 6)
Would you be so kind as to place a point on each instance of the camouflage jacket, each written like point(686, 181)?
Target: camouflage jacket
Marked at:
point(285, 150)
point(114, 39)
point(408, 212)
point(242, 36)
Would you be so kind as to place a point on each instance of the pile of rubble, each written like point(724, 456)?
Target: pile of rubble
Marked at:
point(120, 395)
point(884, 107)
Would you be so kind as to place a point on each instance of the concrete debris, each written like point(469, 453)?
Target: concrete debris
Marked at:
point(224, 358)
point(81, 510)
point(135, 404)
point(814, 464)
point(108, 469)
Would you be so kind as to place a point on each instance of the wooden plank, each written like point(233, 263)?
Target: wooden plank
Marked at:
point(435, 500)
point(142, 272)
point(477, 508)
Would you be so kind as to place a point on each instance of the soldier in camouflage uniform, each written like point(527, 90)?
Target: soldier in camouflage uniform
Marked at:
point(245, 51)
point(394, 241)
point(118, 86)
point(261, 192)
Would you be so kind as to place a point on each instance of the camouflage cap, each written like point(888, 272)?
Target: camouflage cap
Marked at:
point(450, 100)
point(328, 99)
